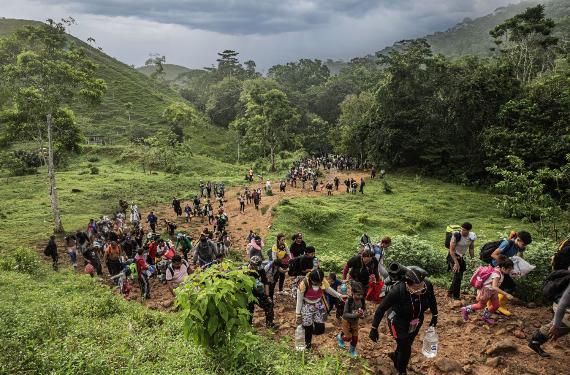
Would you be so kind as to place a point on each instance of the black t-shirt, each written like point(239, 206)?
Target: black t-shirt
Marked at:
point(297, 249)
point(406, 307)
point(306, 263)
point(260, 275)
point(361, 272)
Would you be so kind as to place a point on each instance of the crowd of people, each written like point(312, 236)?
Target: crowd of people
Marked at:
point(404, 293)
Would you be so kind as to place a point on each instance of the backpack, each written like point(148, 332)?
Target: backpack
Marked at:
point(295, 267)
point(561, 260)
point(555, 284)
point(134, 274)
point(488, 249)
point(452, 230)
point(480, 276)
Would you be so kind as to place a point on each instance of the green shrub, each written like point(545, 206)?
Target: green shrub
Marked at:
point(269, 193)
point(21, 162)
point(387, 187)
point(93, 159)
point(94, 170)
point(413, 251)
point(22, 260)
point(315, 218)
point(215, 304)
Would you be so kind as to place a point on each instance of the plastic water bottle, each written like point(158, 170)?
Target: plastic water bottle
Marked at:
point(343, 288)
point(429, 347)
point(300, 338)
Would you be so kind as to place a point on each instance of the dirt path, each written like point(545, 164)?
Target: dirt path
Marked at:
point(462, 345)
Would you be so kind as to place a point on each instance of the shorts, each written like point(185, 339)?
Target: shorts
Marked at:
point(350, 329)
point(313, 313)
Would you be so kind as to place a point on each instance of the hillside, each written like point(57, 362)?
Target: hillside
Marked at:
point(171, 71)
point(125, 84)
point(471, 37)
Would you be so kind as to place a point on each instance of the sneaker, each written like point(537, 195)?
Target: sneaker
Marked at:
point(340, 341)
point(535, 346)
point(465, 314)
point(488, 320)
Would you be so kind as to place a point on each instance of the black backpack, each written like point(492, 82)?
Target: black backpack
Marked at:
point(488, 249)
point(295, 267)
point(561, 259)
point(452, 230)
point(555, 284)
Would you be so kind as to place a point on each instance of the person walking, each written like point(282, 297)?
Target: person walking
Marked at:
point(461, 243)
point(51, 251)
point(151, 219)
point(408, 300)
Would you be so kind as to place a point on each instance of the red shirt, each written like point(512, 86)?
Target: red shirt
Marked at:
point(152, 248)
point(141, 264)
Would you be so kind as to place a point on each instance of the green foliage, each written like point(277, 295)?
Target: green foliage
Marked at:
point(222, 106)
point(316, 218)
point(413, 251)
point(94, 170)
point(23, 260)
point(21, 162)
point(387, 187)
point(215, 304)
point(524, 193)
point(526, 42)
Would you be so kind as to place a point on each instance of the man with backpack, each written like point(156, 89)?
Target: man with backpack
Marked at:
point(509, 248)
point(556, 288)
point(185, 243)
point(204, 251)
point(260, 292)
point(460, 242)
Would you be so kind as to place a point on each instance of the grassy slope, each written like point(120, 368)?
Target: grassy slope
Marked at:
point(62, 323)
point(417, 206)
point(125, 84)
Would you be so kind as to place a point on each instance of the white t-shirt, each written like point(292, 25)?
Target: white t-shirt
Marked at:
point(179, 274)
point(462, 246)
point(495, 275)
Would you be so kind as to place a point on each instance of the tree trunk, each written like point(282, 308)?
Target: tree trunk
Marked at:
point(58, 228)
point(272, 158)
point(238, 152)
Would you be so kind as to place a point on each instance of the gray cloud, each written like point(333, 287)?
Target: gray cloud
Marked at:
point(230, 16)
point(338, 30)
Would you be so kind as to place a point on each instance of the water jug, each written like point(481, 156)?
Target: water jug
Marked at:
point(300, 338)
point(429, 347)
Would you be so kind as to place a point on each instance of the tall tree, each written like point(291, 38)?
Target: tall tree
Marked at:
point(46, 72)
point(223, 101)
point(525, 41)
point(228, 64)
point(179, 116)
point(268, 117)
point(156, 60)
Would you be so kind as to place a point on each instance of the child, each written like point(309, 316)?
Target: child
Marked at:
point(490, 291)
point(333, 301)
point(353, 311)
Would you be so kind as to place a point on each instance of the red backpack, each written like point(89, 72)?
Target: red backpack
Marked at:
point(481, 275)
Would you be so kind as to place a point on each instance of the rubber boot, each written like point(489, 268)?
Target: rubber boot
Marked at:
point(352, 351)
point(340, 341)
point(536, 341)
point(502, 303)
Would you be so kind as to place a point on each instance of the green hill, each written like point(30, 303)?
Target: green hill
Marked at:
point(125, 84)
point(471, 37)
point(171, 71)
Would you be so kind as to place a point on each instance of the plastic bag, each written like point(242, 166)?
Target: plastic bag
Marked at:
point(522, 267)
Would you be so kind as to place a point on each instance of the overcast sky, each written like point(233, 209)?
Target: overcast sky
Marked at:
point(191, 32)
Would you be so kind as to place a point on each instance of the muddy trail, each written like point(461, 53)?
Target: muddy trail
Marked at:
point(465, 347)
